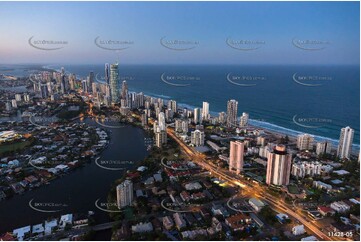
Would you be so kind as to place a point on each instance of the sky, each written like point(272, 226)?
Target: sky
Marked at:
point(255, 33)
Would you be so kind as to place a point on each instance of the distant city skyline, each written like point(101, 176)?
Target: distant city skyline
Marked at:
point(212, 32)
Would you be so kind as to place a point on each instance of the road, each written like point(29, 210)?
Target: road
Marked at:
point(256, 191)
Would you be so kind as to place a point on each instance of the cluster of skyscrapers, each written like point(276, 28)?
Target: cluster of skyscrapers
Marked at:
point(306, 142)
point(279, 160)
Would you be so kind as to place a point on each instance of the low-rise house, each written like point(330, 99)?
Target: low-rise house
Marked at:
point(355, 218)
point(24, 183)
point(325, 211)
point(309, 238)
point(190, 219)
point(281, 217)
point(322, 185)
point(158, 177)
point(142, 227)
point(38, 229)
point(198, 196)
point(179, 220)
point(7, 237)
point(39, 160)
point(17, 187)
point(149, 181)
point(298, 230)
point(256, 204)
point(355, 201)
point(193, 186)
point(207, 184)
point(340, 206)
point(65, 220)
point(168, 222)
point(31, 179)
point(257, 220)
point(216, 224)
point(62, 168)
point(50, 225)
point(341, 172)
point(21, 233)
point(185, 196)
point(218, 209)
point(238, 222)
point(13, 163)
point(192, 234)
point(205, 213)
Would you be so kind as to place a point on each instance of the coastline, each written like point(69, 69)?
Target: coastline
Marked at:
point(256, 123)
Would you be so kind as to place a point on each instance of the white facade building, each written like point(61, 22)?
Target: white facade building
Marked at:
point(278, 166)
point(236, 153)
point(298, 230)
point(302, 169)
point(197, 138)
point(125, 194)
point(244, 120)
point(323, 148)
point(305, 142)
point(345, 143)
point(205, 111)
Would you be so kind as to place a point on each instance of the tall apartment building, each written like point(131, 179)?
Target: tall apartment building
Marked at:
point(236, 154)
point(278, 166)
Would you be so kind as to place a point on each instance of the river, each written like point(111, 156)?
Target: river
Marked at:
point(79, 190)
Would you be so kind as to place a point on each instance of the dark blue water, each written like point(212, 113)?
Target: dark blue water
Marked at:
point(272, 103)
point(79, 190)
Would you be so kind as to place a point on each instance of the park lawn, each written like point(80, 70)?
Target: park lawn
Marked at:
point(293, 189)
point(12, 147)
point(128, 212)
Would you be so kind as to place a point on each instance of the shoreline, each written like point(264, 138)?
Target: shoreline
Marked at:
point(255, 123)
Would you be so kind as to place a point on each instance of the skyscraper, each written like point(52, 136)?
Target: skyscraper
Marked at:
point(144, 118)
point(161, 121)
point(44, 90)
point(244, 120)
point(91, 78)
point(160, 138)
point(197, 138)
point(63, 85)
point(323, 147)
point(232, 106)
point(236, 153)
point(114, 83)
point(125, 194)
point(84, 86)
point(106, 76)
point(205, 111)
point(278, 166)
point(222, 117)
point(124, 94)
point(305, 142)
point(172, 104)
point(72, 81)
point(345, 143)
point(196, 115)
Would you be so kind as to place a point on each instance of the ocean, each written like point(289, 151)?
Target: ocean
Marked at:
point(318, 100)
